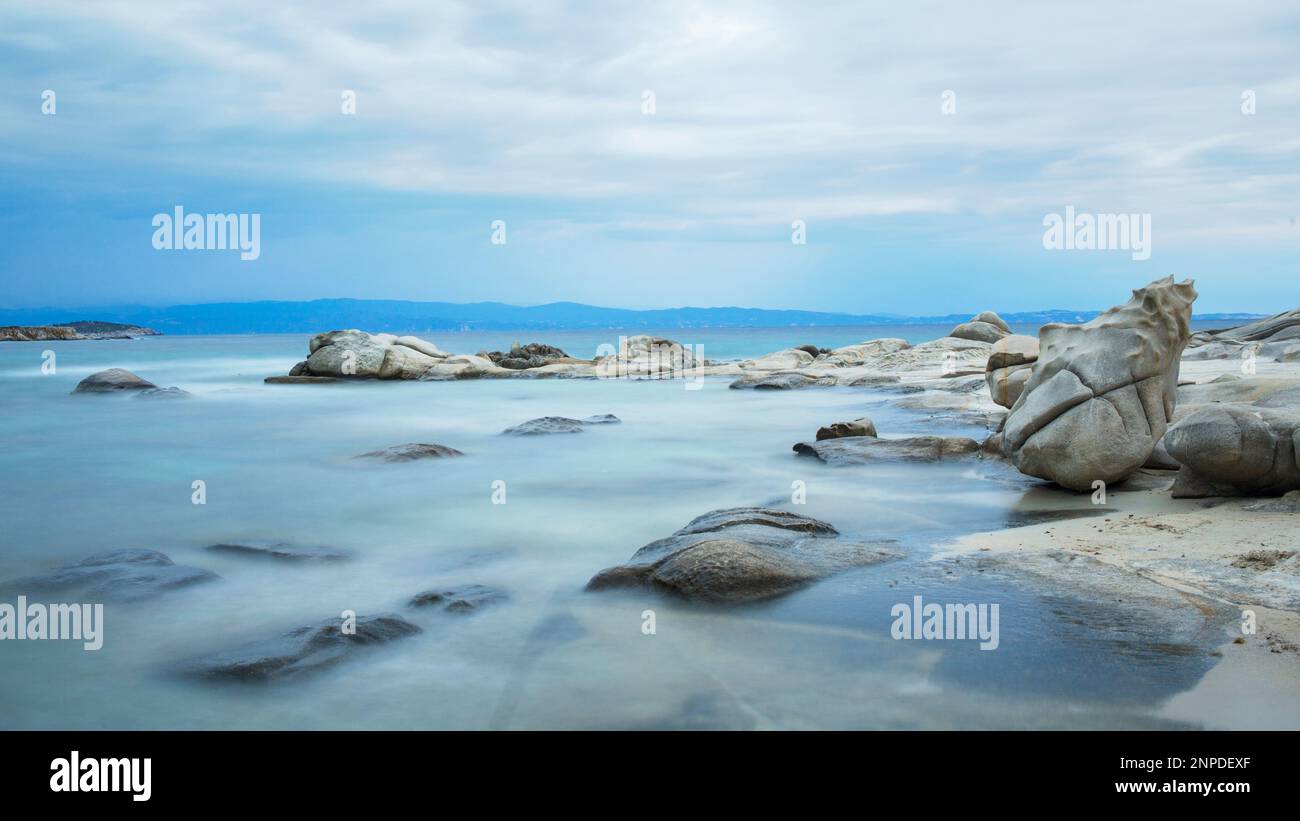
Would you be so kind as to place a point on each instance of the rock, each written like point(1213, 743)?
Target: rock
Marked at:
point(789, 359)
point(991, 318)
point(1233, 388)
point(1006, 384)
point(1241, 449)
point(782, 381)
point(301, 651)
point(73, 330)
point(1160, 458)
point(411, 452)
point(359, 355)
point(113, 379)
point(300, 380)
point(859, 450)
point(985, 327)
point(532, 355)
point(742, 554)
point(882, 380)
point(282, 550)
point(1102, 393)
point(867, 353)
point(642, 357)
point(812, 350)
point(838, 430)
point(163, 393)
point(559, 424)
point(300, 369)
point(466, 599)
point(116, 575)
point(1011, 351)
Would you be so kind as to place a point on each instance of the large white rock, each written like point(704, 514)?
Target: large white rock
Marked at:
point(1101, 394)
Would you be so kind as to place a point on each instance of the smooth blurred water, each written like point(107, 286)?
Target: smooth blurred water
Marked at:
point(83, 474)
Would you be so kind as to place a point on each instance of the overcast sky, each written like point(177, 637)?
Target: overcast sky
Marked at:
point(532, 113)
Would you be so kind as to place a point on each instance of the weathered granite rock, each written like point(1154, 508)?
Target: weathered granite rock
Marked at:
point(742, 554)
point(782, 381)
point(113, 379)
point(115, 575)
point(1009, 366)
point(283, 551)
point(357, 354)
point(789, 359)
point(301, 651)
point(866, 353)
point(411, 452)
point(1233, 449)
point(1102, 393)
point(985, 327)
point(858, 450)
point(559, 424)
point(838, 430)
point(464, 599)
point(73, 330)
point(647, 357)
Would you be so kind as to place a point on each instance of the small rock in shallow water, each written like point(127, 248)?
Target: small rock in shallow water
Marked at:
point(411, 452)
point(857, 450)
point(559, 424)
point(118, 575)
point(113, 379)
point(465, 599)
point(281, 550)
point(164, 393)
point(742, 554)
point(300, 651)
point(838, 430)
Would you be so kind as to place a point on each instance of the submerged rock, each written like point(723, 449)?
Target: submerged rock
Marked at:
point(164, 393)
point(411, 452)
point(115, 575)
point(465, 599)
point(742, 554)
point(300, 651)
point(113, 379)
point(559, 424)
point(858, 450)
point(300, 380)
point(838, 430)
point(266, 549)
point(1102, 393)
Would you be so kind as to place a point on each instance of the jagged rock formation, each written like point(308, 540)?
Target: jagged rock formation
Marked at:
point(1102, 393)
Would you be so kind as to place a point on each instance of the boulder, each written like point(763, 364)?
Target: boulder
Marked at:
point(867, 353)
point(1009, 366)
point(647, 357)
point(559, 424)
point(411, 452)
point(113, 379)
point(838, 430)
point(300, 651)
point(742, 554)
point(984, 327)
point(523, 357)
point(357, 354)
point(115, 575)
point(1101, 394)
point(464, 599)
point(1236, 449)
point(858, 450)
point(282, 551)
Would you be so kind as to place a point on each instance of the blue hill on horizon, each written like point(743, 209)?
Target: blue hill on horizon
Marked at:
point(377, 315)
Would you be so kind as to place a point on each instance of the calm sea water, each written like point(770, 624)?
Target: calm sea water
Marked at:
point(83, 474)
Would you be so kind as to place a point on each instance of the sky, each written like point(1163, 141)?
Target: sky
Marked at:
point(920, 145)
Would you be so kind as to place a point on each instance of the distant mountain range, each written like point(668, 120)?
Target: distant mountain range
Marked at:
point(376, 315)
